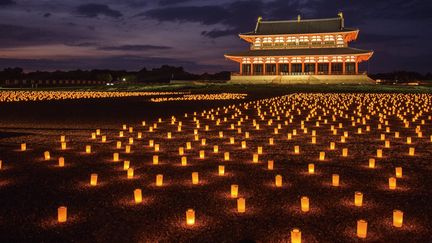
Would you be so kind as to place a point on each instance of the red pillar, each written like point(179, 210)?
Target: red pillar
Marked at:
point(277, 68)
point(343, 68)
point(356, 67)
point(329, 72)
point(303, 69)
point(289, 68)
point(316, 68)
point(241, 68)
point(264, 69)
point(252, 69)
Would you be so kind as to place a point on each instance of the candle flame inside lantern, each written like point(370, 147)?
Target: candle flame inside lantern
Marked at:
point(159, 180)
point(392, 183)
point(379, 153)
point(234, 191)
point(255, 158)
point(243, 144)
point(270, 164)
point(371, 163)
point(47, 155)
point(411, 151)
point(221, 170)
point(296, 149)
point(216, 149)
point(190, 217)
point(155, 159)
point(304, 204)
point(241, 205)
point(115, 157)
point(130, 173)
point(126, 165)
point(397, 218)
point(322, 156)
point(138, 196)
point(358, 199)
point(93, 179)
point(361, 228)
point(201, 154)
point(61, 162)
point(226, 156)
point(183, 160)
point(295, 235)
point(260, 149)
point(332, 145)
point(63, 145)
point(195, 178)
point(311, 168)
point(62, 214)
point(23, 147)
point(278, 181)
point(335, 180)
point(398, 172)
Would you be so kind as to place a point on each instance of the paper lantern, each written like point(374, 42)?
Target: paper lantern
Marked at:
point(155, 159)
point(61, 162)
point(130, 173)
point(1, 164)
point(408, 140)
point(392, 183)
point(335, 180)
point(195, 178)
point(243, 144)
point(231, 140)
point(118, 145)
point(361, 228)
point(234, 191)
point(93, 135)
point(382, 137)
point(241, 205)
point(115, 157)
point(63, 145)
point(358, 199)
point(313, 140)
point(127, 149)
point(296, 149)
point(181, 150)
point(183, 161)
point(342, 139)
point(47, 155)
point(201, 154)
point(278, 181)
point(321, 155)
point(398, 171)
point(221, 134)
point(159, 180)
point(138, 196)
point(271, 141)
point(139, 135)
point(221, 170)
point(151, 143)
point(359, 130)
point(270, 164)
point(126, 165)
point(332, 145)
point(156, 147)
point(62, 138)
point(169, 136)
point(121, 134)
point(371, 163)
point(387, 144)
point(226, 156)
point(190, 217)
point(396, 134)
point(98, 131)
point(62, 214)
point(88, 149)
point(304, 201)
point(103, 139)
point(311, 168)
point(188, 145)
point(255, 158)
point(131, 140)
point(397, 218)
point(379, 153)
point(23, 147)
point(203, 142)
point(411, 151)
point(295, 236)
point(93, 179)
point(289, 136)
point(345, 152)
point(216, 149)
point(260, 150)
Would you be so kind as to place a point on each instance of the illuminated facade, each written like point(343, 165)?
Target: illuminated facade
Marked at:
point(300, 48)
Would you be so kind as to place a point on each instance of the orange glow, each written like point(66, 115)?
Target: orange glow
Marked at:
point(241, 205)
point(304, 204)
point(361, 228)
point(190, 217)
point(62, 214)
point(397, 218)
point(234, 191)
point(296, 236)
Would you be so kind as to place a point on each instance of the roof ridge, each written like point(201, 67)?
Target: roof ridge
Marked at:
point(295, 20)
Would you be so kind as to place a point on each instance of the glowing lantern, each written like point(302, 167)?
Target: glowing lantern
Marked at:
point(201, 154)
point(23, 147)
point(322, 156)
point(311, 168)
point(62, 138)
point(260, 149)
point(379, 153)
point(241, 205)
point(361, 228)
point(181, 150)
point(289, 136)
point(295, 235)
point(139, 135)
point(296, 149)
point(221, 134)
point(313, 140)
point(130, 173)
point(63, 145)
point(61, 162)
point(131, 140)
point(271, 141)
point(93, 135)
point(126, 165)
point(255, 158)
point(231, 140)
point(190, 217)
point(342, 139)
point(304, 201)
point(88, 149)
point(335, 180)
point(93, 179)
point(332, 145)
point(47, 155)
point(159, 180)
point(98, 132)
point(188, 145)
point(121, 134)
point(409, 140)
point(115, 157)
point(155, 159)
point(345, 152)
point(216, 149)
point(195, 178)
point(396, 134)
point(103, 139)
point(411, 151)
point(397, 218)
point(234, 191)
point(392, 183)
point(382, 137)
point(127, 149)
point(358, 199)
point(151, 143)
point(184, 161)
point(118, 145)
point(371, 163)
point(278, 181)
point(1, 164)
point(169, 136)
point(243, 144)
point(138, 196)
point(156, 147)
point(270, 164)
point(221, 170)
point(62, 214)
point(398, 172)
point(226, 156)
point(387, 144)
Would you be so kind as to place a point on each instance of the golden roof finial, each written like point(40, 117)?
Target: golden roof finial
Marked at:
point(298, 18)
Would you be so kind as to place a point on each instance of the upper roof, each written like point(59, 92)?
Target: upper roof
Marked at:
point(301, 52)
point(300, 26)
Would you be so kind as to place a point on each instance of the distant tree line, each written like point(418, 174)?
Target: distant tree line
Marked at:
point(162, 74)
point(402, 76)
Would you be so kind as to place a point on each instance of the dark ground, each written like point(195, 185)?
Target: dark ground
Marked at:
point(31, 189)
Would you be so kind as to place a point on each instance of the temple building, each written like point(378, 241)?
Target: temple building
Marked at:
point(301, 51)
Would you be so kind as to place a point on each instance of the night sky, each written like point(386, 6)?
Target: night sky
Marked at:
point(131, 34)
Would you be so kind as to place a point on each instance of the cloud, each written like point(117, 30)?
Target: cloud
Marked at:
point(171, 2)
point(47, 15)
point(134, 48)
point(92, 10)
point(206, 15)
point(7, 3)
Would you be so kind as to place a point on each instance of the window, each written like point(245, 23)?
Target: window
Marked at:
point(329, 40)
point(340, 40)
point(257, 42)
point(296, 60)
point(303, 40)
point(350, 59)
point(316, 40)
point(323, 59)
point(267, 41)
point(337, 59)
point(270, 60)
point(283, 60)
point(246, 60)
point(258, 60)
point(292, 41)
point(309, 60)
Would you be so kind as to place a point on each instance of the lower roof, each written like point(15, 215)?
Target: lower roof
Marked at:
point(301, 52)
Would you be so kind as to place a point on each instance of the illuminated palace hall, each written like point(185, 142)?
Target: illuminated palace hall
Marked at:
point(301, 51)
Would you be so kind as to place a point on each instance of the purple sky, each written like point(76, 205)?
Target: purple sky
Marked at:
point(131, 34)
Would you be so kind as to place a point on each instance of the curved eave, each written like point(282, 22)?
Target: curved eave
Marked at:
point(250, 36)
